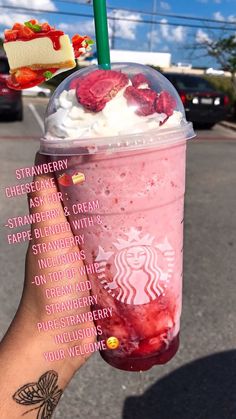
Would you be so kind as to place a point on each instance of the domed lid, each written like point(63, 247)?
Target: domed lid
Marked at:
point(129, 106)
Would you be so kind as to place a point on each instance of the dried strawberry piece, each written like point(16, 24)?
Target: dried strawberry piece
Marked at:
point(143, 99)
point(139, 79)
point(165, 103)
point(74, 84)
point(99, 87)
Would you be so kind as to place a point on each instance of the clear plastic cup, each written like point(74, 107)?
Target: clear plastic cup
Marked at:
point(125, 194)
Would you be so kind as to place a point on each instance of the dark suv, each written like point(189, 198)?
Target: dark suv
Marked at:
point(10, 100)
point(203, 104)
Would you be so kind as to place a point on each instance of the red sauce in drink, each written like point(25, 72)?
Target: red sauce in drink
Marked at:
point(53, 35)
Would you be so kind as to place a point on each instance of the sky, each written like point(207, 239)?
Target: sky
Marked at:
point(140, 33)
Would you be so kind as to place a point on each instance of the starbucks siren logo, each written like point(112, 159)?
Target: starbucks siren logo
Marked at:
point(139, 279)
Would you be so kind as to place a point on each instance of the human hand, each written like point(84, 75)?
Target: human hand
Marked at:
point(30, 348)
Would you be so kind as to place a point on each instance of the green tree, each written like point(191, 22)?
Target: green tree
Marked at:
point(224, 51)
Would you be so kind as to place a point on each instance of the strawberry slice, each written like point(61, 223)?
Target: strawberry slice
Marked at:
point(99, 87)
point(26, 33)
point(142, 99)
point(25, 75)
point(45, 27)
point(81, 44)
point(139, 79)
point(65, 180)
point(11, 35)
point(17, 26)
point(165, 103)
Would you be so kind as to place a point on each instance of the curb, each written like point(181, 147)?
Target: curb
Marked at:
point(229, 125)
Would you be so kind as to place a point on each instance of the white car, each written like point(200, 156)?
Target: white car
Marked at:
point(215, 72)
point(37, 91)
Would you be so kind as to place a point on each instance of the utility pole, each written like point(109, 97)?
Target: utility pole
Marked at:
point(154, 11)
point(113, 33)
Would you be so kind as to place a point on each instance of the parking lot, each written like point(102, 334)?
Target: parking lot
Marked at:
point(200, 382)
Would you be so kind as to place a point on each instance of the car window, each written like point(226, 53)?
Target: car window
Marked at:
point(4, 67)
point(195, 83)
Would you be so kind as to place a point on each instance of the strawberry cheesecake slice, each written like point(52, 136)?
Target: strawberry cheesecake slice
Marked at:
point(36, 51)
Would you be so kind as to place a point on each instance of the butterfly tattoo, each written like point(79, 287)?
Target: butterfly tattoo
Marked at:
point(45, 393)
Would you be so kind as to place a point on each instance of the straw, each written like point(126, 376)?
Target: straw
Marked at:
point(102, 38)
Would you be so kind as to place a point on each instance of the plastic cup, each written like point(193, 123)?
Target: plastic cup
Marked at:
point(125, 194)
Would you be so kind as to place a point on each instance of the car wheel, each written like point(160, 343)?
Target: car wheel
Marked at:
point(41, 94)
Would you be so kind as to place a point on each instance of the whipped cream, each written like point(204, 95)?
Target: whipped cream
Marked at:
point(71, 120)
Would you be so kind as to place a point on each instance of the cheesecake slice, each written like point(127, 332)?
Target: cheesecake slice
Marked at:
point(78, 178)
point(36, 51)
point(40, 53)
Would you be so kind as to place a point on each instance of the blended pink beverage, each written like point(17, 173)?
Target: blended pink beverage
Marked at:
point(127, 201)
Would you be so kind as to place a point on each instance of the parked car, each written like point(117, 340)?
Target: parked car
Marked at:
point(10, 100)
point(204, 105)
point(37, 91)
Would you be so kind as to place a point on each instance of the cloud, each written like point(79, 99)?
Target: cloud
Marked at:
point(85, 27)
point(217, 1)
point(154, 36)
point(169, 33)
point(218, 16)
point(7, 20)
point(32, 4)
point(8, 17)
point(232, 18)
point(122, 28)
point(166, 33)
point(165, 48)
point(164, 5)
point(202, 37)
point(119, 28)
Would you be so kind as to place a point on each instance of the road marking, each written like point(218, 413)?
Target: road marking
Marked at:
point(37, 116)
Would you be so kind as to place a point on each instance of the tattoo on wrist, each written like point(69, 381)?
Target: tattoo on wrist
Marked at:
point(44, 393)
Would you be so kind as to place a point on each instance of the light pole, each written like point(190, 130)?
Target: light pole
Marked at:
point(154, 11)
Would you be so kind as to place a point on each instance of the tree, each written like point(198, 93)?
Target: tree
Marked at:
point(223, 50)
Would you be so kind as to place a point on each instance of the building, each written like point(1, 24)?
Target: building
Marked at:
point(159, 59)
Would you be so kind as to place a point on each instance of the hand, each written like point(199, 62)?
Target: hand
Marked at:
point(29, 348)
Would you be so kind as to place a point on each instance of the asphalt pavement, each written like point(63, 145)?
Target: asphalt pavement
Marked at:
point(200, 382)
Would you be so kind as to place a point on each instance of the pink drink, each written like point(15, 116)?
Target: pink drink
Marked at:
point(129, 206)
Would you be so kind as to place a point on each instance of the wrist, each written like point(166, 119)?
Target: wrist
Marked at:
point(24, 344)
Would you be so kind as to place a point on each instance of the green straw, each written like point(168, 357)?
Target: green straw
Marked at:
point(102, 38)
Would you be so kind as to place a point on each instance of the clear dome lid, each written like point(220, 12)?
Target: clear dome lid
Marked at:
point(129, 106)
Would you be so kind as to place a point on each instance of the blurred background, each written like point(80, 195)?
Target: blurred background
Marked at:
point(194, 45)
